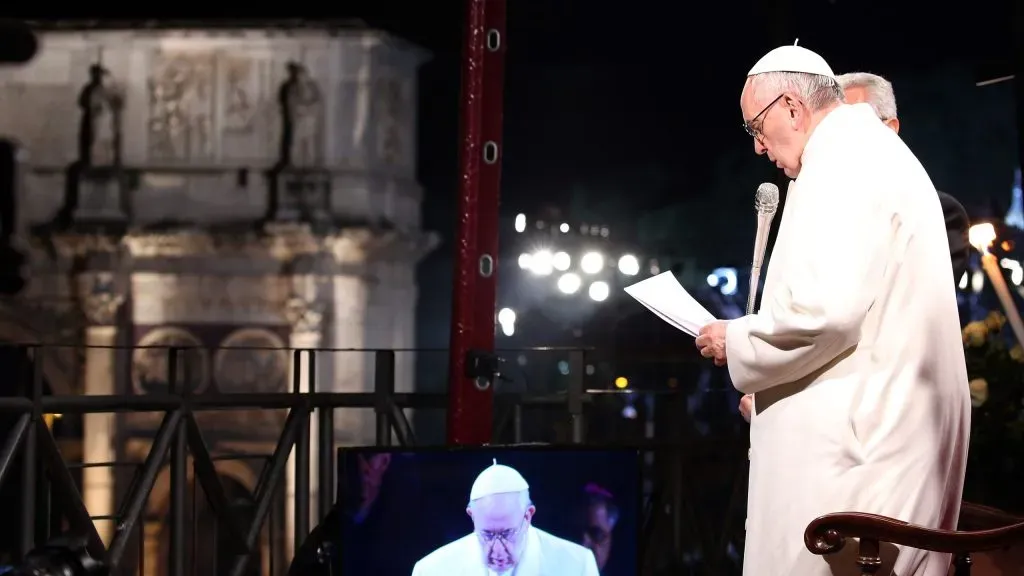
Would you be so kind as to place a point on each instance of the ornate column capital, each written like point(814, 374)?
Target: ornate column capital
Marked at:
point(99, 297)
point(304, 314)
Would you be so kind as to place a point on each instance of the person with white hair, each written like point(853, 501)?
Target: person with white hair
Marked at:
point(504, 541)
point(854, 358)
point(877, 92)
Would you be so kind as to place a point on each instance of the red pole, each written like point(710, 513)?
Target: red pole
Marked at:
point(470, 417)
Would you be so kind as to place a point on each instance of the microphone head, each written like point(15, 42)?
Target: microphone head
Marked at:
point(766, 201)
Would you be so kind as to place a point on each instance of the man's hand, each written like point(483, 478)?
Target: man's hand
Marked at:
point(747, 406)
point(711, 342)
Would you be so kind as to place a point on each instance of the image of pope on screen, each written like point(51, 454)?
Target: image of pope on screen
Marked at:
point(504, 541)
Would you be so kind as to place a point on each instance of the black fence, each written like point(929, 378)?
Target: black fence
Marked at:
point(695, 481)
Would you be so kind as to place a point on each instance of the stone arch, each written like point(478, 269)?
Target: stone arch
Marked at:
point(235, 472)
point(59, 363)
point(252, 360)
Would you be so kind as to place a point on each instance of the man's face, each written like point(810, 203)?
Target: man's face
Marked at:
point(597, 536)
point(779, 126)
point(500, 523)
point(859, 95)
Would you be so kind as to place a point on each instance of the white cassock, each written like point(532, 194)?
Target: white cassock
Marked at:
point(855, 356)
point(544, 555)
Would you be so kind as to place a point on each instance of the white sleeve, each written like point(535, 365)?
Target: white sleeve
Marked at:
point(841, 243)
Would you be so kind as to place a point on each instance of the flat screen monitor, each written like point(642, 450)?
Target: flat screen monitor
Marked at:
point(463, 511)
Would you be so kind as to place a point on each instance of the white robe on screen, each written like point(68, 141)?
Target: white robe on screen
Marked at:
point(855, 356)
point(544, 555)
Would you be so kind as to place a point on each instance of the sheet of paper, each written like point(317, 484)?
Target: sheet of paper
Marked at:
point(666, 297)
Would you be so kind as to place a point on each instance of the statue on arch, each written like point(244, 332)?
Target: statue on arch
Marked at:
point(301, 105)
point(99, 133)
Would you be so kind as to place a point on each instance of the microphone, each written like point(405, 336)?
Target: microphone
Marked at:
point(766, 202)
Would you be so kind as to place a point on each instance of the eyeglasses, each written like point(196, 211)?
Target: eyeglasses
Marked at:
point(757, 122)
point(505, 536)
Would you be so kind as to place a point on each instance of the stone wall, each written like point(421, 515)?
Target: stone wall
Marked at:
point(201, 118)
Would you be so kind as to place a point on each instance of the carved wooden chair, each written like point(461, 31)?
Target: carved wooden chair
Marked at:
point(982, 529)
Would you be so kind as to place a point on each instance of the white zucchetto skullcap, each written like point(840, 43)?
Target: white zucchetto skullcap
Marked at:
point(497, 479)
point(792, 59)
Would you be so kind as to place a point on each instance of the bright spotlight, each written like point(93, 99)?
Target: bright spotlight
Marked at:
point(598, 291)
point(506, 316)
point(621, 382)
point(712, 280)
point(1015, 268)
point(629, 265)
point(729, 280)
point(569, 283)
point(520, 222)
point(592, 262)
point(524, 261)
point(540, 263)
point(508, 329)
point(564, 228)
point(561, 261)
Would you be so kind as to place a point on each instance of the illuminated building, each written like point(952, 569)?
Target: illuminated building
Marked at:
point(156, 209)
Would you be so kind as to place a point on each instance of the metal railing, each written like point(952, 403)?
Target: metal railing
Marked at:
point(178, 435)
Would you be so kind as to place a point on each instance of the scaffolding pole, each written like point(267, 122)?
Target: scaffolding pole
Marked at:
point(1018, 77)
point(471, 393)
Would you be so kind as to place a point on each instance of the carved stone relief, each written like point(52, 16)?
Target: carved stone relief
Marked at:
point(282, 242)
point(251, 360)
point(304, 314)
point(41, 118)
point(392, 120)
point(151, 355)
point(172, 298)
point(70, 245)
point(181, 107)
point(100, 298)
point(241, 95)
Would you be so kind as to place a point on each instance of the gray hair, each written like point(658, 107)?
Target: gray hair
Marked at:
point(879, 91)
point(817, 91)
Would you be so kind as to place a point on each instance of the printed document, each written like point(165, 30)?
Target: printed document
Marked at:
point(666, 297)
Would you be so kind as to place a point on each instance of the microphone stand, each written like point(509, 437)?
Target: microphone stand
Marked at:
point(766, 205)
point(764, 226)
point(755, 281)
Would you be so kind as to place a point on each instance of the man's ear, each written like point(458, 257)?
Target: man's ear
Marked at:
point(792, 105)
point(893, 123)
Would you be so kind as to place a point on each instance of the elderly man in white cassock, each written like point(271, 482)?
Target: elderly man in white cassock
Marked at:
point(877, 92)
point(504, 541)
point(855, 357)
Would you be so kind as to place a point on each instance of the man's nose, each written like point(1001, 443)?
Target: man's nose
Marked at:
point(759, 148)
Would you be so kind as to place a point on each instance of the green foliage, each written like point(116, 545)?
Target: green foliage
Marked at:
point(995, 464)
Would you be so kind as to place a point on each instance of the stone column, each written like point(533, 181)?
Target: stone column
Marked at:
point(303, 312)
point(100, 301)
